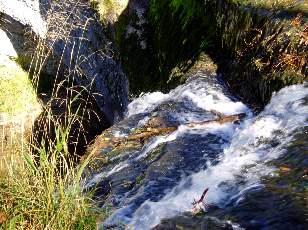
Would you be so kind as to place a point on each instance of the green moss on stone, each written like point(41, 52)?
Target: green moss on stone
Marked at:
point(16, 92)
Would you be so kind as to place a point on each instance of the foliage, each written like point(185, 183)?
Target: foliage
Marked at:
point(295, 5)
point(259, 45)
point(45, 192)
point(43, 189)
point(177, 39)
point(188, 10)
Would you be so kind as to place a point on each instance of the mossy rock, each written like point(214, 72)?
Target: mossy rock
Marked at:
point(259, 46)
point(109, 10)
point(17, 94)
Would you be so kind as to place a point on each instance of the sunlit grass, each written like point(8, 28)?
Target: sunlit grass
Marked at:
point(45, 192)
point(18, 108)
point(41, 185)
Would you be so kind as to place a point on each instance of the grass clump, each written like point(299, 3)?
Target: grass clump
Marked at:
point(43, 189)
point(45, 192)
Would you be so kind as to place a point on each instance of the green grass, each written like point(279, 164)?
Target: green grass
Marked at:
point(44, 191)
point(41, 189)
point(18, 108)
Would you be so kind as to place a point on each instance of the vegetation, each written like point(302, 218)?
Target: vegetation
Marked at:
point(15, 84)
point(46, 193)
point(41, 186)
point(259, 45)
point(295, 5)
point(43, 189)
point(109, 9)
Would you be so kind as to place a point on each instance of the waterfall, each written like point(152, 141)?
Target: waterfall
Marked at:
point(242, 163)
point(229, 158)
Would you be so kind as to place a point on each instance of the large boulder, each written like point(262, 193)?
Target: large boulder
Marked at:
point(71, 64)
point(66, 41)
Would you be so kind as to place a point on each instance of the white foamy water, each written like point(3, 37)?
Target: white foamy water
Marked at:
point(202, 92)
point(198, 97)
point(205, 95)
point(145, 102)
point(242, 163)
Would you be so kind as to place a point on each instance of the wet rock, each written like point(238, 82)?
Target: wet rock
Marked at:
point(189, 222)
point(133, 37)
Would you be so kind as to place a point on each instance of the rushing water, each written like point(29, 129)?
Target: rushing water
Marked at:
point(233, 160)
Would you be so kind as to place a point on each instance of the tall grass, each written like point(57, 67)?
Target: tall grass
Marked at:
point(40, 194)
point(44, 188)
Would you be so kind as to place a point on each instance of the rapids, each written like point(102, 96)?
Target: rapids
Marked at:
point(236, 161)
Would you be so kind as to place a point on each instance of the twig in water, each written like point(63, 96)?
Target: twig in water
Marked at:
point(194, 203)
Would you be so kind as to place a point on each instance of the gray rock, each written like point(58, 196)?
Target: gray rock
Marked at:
point(72, 38)
point(27, 12)
point(192, 222)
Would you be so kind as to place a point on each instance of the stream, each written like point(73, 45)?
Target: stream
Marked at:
point(255, 169)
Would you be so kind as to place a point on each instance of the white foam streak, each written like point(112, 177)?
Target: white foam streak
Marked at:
point(145, 102)
point(215, 100)
point(205, 95)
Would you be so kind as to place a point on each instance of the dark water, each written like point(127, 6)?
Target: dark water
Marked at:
point(255, 169)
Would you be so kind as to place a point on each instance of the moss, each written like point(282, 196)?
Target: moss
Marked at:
point(42, 84)
point(139, 178)
point(255, 44)
point(109, 9)
point(258, 48)
point(16, 92)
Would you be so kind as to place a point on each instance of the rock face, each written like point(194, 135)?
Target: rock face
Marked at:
point(71, 46)
point(27, 12)
point(259, 46)
point(71, 64)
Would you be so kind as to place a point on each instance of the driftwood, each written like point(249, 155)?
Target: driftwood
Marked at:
point(148, 132)
point(220, 120)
